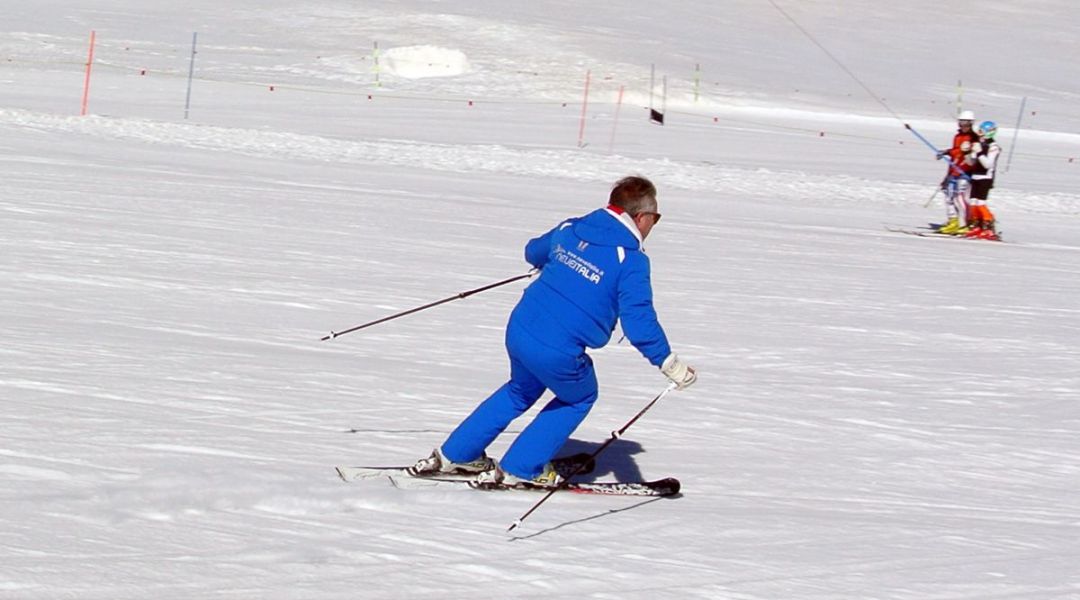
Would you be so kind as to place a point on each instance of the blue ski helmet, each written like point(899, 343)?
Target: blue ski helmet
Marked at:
point(988, 129)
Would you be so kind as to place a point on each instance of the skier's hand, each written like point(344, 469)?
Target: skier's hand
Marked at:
point(941, 154)
point(680, 373)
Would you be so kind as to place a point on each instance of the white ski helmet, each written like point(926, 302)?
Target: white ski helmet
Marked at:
point(966, 115)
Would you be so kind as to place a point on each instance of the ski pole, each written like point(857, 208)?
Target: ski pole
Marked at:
point(932, 196)
point(466, 294)
point(614, 436)
point(955, 166)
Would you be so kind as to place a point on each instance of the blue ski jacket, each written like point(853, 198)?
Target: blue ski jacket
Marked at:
point(593, 272)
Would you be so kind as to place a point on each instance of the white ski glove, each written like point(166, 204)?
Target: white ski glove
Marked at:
point(680, 373)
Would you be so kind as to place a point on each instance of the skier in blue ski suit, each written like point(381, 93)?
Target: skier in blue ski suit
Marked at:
point(593, 271)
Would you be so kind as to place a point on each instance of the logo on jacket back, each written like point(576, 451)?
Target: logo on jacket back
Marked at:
point(577, 264)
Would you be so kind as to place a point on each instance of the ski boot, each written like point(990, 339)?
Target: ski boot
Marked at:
point(438, 464)
point(975, 229)
point(950, 227)
point(989, 232)
point(497, 478)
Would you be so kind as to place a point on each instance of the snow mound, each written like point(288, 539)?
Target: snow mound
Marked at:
point(418, 62)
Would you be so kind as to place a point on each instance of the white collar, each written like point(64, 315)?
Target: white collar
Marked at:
point(628, 221)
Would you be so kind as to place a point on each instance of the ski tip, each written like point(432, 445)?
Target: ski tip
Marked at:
point(674, 484)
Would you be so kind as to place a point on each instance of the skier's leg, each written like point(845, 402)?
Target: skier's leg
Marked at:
point(950, 200)
point(493, 415)
point(963, 192)
point(573, 380)
point(982, 217)
point(976, 224)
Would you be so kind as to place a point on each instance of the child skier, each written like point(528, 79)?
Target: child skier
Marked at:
point(983, 158)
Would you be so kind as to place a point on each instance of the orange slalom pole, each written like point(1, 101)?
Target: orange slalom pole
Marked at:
point(86, 83)
point(584, 108)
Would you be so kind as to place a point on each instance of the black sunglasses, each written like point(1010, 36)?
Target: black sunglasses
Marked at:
point(654, 214)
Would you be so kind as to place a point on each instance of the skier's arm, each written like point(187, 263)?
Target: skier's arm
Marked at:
point(639, 322)
point(636, 312)
point(538, 249)
point(989, 159)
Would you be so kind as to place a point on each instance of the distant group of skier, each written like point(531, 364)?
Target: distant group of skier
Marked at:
point(969, 179)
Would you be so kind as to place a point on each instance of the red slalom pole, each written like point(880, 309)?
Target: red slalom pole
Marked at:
point(584, 108)
point(86, 83)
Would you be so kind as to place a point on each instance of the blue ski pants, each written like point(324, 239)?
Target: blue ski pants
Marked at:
point(534, 367)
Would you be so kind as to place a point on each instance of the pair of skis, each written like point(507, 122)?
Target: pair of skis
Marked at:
point(584, 462)
point(579, 464)
point(929, 232)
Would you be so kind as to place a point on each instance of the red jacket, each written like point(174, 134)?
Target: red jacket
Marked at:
point(959, 151)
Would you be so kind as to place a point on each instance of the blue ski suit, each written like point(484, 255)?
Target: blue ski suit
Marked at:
point(593, 272)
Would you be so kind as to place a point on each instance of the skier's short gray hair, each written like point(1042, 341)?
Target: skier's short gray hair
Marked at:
point(634, 194)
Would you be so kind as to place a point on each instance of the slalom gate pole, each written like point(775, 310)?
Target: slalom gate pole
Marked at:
point(1016, 134)
point(466, 294)
point(614, 436)
point(584, 111)
point(191, 74)
point(615, 123)
point(375, 61)
point(86, 84)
